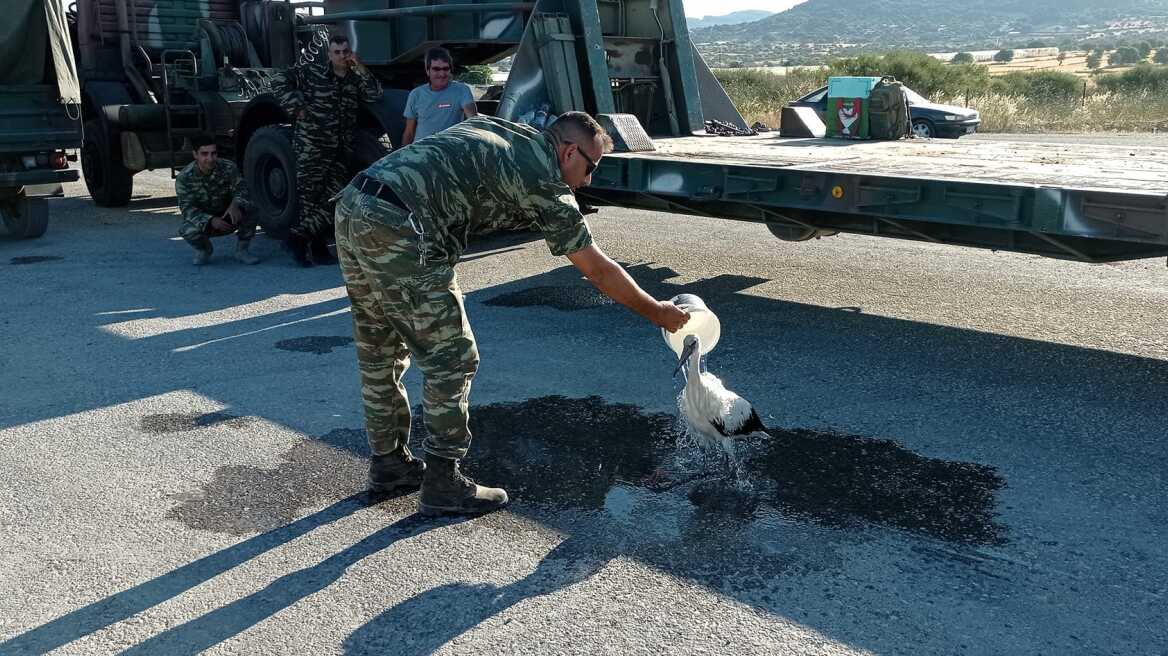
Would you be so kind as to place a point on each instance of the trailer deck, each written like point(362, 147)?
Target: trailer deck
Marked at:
point(1082, 202)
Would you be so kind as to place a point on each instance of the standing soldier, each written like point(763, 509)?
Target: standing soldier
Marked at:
point(322, 98)
point(213, 200)
point(402, 226)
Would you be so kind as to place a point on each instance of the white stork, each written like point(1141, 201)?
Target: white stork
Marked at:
point(714, 413)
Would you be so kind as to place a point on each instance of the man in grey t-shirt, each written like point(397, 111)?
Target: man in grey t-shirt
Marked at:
point(433, 107)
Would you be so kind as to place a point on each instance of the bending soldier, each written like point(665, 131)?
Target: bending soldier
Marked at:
point(401, 228)
point(213, 200)
point(433, 107)
point(322, 99)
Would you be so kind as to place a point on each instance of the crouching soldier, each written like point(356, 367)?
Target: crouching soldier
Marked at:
point(213, 200)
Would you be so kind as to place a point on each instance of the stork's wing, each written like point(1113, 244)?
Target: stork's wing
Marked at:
point(720, 427)
point(753, 424)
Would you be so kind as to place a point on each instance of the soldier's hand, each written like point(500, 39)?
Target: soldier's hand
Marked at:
point(670, 317)
point(234, 214)
point(221, 224)
point(355, 63)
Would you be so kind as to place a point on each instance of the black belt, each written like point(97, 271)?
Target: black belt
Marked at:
point(368, 185)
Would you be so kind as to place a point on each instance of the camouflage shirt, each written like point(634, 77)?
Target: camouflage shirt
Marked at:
point(482, 174)
point(202, 197)
point(329, 102)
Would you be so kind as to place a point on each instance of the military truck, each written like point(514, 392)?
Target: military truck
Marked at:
point(40, 113)
point(153, 71)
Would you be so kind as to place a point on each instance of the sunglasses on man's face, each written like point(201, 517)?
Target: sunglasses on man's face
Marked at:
point(440, 69)
point(591, 164)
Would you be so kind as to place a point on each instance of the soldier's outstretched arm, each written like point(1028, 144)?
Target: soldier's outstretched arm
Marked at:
point(613, 281)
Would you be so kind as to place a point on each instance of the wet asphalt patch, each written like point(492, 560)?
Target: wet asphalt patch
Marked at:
point(33, 259)
point(555, 454)
point(239, 500)
point(176, 422)
point(837, 479)
point(573, 451)
point(317, 344)
point(569, 298)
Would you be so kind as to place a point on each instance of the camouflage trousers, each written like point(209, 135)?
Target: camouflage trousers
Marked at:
point(321, 172)
point(404, 306)
point(197, 235)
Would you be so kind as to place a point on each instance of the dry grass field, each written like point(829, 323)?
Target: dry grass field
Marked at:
point(1074, 63)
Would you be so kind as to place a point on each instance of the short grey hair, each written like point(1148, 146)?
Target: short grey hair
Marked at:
point(577, 127)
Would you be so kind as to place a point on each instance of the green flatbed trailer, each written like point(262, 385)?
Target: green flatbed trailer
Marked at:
point(1087, 203)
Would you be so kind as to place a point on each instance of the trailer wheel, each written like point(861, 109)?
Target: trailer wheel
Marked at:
point(798, 233)
point(24, 217)
point(109, 182)
point(269, 166)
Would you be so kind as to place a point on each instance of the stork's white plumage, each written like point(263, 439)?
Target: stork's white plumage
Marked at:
point(715, 414)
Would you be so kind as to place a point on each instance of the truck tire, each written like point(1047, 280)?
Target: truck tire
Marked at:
point(24, 217)
point(269, 167)
point(109, 182)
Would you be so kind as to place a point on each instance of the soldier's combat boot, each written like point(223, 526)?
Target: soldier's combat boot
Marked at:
point(320, 251)
point(242, 255)
point(297, 245)
point(395, 472)
point(445, 491)
point(203, 251)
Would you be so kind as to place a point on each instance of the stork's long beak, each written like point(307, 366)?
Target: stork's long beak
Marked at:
point(685, 353)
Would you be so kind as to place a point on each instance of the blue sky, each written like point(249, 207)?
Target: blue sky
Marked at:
point(701, 8)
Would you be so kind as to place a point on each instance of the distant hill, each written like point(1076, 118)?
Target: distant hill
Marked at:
point(729, 19)
point(938, 23)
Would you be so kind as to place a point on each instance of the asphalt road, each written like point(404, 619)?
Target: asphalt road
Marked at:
point(967, 453)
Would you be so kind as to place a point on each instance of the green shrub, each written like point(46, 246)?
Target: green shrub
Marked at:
point(1038, 85)
point(477, 75)
point(1094, 60)
point(922, 73)
point(1161, 56)
point(1004, 56)
point(1124, 55)
point(1145, 78)
point(962, 58)
point(760, 95)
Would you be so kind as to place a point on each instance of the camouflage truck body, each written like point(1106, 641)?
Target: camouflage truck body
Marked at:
point(39, 113)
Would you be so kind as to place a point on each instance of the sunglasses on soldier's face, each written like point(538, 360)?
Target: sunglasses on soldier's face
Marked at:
point(591, 164)
point(440, 69)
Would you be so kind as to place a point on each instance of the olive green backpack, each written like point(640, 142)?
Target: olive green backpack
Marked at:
point(888, 116)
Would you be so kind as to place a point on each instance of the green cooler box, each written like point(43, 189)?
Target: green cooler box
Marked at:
point(846, 115)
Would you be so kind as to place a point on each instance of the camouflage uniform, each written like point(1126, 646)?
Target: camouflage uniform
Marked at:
point(399, 265)
point(203, 197)
point(323, 139)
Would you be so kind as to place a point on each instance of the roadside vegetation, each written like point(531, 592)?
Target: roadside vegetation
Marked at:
point(1019, 101)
